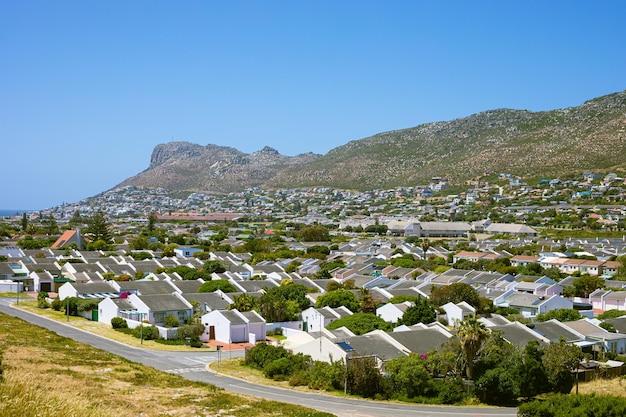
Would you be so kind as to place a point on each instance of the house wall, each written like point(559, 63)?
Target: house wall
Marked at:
point(107, 310)
point(236, 334)
point(554, 303)
point(613, 305)
point(454, 314)
point(67, 290)
point(296, 325)
point(390, 313)
point(258, 330)
point(323, 350)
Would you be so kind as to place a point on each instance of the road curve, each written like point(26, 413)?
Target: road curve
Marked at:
point(192, 366)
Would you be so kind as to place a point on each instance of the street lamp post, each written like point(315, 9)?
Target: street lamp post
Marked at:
point(219, 355)
point(141, 328)
point(17, 291)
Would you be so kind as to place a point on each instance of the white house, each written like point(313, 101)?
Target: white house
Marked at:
point(393, 312)
point(156, 307)
point(232, 326)
point(116, 307)
point(456, 313)
point(530, 304)
point(321, 349)
point(90, 290)
point(314, 319)
point(185, 252)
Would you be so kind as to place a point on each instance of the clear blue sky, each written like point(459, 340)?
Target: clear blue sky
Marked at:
point(88, 88)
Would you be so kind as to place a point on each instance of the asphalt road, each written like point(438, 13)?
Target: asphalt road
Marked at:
point(193, 366)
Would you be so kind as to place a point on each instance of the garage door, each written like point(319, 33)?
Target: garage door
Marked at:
point(238, 334)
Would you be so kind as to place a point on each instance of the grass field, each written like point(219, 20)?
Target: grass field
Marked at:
point(46, 375)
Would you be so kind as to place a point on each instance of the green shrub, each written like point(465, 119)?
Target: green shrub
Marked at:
point(326, 376)
point(564, 405)
point(42, 303)
point(56, 304)
point(298, 379)
point(195, 342)
point(450, 390)
point(278, 369)
point(119, 323)
point(190, 330)
point(262, 354)
point(149, 332)
point(171, 321)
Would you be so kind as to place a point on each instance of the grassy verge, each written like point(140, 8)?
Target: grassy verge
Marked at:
point(101, 329)
point(44, 374)
point(234, 368)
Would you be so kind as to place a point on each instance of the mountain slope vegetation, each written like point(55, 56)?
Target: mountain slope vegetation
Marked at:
point(591, 136)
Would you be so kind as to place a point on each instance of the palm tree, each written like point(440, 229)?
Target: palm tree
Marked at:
point(472, 334)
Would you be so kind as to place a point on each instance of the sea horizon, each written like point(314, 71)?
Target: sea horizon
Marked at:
point(13, 212)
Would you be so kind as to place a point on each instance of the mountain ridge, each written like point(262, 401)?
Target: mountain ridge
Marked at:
point(521, 142)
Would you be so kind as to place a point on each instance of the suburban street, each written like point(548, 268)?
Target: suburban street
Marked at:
point(193, 366)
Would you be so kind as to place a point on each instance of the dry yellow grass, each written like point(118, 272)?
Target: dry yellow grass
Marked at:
point(101, 329)
point(46, 375)
point(613, 386)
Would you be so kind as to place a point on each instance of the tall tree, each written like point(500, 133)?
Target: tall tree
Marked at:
point(340, 297)
point(283, 303)
point(152, 219)
point(455, 293)
point(471, 334)
point(98, 227)
point(51, 225)
point(421, 312)
point(559, 359)
point(76, 219)
point(24, 222)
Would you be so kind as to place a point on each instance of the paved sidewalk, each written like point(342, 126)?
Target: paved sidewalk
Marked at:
point(229, 346)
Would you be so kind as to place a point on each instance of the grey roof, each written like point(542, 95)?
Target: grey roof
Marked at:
point(145, 265)
point(446, 226)
point(119, 269)
point(94, 288)
point(517, 334)
point(510, 228)
point(252, 317)
point(233, 317)
point(147, 287)
point(123, 304)
point(554, 330)
point(523, 300)
point(213, 300)
point(188, 286)
point(619, 323)
point(373, 344)
point(420, 340)
point(82, 267)
point(256, 285)
point(494, 320)
point(163, 302)
point(584, 327)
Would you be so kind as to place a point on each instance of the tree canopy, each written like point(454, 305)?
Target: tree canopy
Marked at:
point(283, 303)
point(360, 323)
point(339, 297)
point(455, 293)
point(218, 284)
point(98, 227)
point(421, 312)
point(560, 314)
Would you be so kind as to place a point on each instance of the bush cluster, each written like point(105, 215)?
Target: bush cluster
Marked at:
point(564, 405)
point(119, 323)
